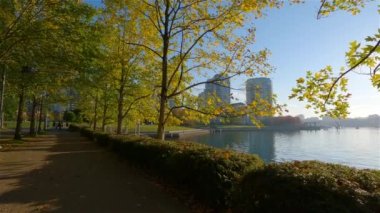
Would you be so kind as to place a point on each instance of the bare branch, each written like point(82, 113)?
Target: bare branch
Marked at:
point(376, 69)
point(203, 82)
point(174, 72)
point(191, 4)
point(143, 45)
point(133, 102)
point(319, 15)
point(158, 16)
point(222, 114)
point(152, 21)
point(150, 5)
point(174, 17)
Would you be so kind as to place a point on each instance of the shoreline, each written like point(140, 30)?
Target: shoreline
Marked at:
point(180, 134)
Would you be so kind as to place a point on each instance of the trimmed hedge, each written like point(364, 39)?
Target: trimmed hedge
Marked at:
point(310, 186)
point(228, 180)
point(210, 174)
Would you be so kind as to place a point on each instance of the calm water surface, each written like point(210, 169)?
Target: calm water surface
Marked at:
point(354, 147)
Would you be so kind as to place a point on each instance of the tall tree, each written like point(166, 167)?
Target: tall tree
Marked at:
point(47, 35)
point(127, 64)
point(196, 36)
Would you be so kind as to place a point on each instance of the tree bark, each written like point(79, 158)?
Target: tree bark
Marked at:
point(17, 135)
point(164, 80)
point(104, 116)
point(2, 98)
point(95, 112)
point(39, 130)
point(32, 128)
point(120, 104)
point(46, 118)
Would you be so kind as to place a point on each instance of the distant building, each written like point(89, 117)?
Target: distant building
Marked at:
point(221, 89)
point(239, 120)
point(261, 87)
point(203, 99)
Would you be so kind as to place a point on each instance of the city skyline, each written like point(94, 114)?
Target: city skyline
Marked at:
point(299, 42)
point(286, 32)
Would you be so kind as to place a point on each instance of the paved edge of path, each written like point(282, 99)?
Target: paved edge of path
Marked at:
point(64, 172)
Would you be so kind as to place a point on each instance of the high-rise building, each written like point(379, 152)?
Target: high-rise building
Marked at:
point(259, 87)
point(221, 89)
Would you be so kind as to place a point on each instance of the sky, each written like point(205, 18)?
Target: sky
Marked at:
point(300, 42)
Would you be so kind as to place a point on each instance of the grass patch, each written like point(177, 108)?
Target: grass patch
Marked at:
point(12, 124)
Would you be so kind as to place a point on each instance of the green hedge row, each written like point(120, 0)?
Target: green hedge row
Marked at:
point(210, 174)
point(229, 180)
point(310, 186)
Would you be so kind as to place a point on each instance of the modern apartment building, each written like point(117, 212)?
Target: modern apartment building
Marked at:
point(259, 87)
point(220, 87)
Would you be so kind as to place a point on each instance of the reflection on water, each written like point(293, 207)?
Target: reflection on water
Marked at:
point(354, 147)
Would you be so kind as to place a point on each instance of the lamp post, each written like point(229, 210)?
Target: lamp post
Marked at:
point(21, 102)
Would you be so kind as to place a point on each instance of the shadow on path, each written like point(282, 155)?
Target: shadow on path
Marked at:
point(63, 172)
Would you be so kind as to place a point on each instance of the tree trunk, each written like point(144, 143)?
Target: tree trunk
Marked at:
point(164, 70)
point(19, 115)
point(119, 116)
point(95, 112)
point(2, 98)
point(120, 104)
point(46, 119)
point(39, 130)
point(32, 128)
point(104, 118)
point(161, 118)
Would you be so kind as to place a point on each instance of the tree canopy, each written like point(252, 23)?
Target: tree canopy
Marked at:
point(140, 61)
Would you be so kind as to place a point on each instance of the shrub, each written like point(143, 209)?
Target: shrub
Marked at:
point(69, 116)
point(210, 174)
point(225, 179)
point(73, 127)
point(77, 127)
point(101, 138)
point(86, 131)
point(309, 186)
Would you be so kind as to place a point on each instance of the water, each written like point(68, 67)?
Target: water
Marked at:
point(349, 146)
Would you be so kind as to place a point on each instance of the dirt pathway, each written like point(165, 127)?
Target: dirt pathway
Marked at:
point(63, 172)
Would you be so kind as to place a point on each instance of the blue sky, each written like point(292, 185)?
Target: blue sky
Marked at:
point(299, 42)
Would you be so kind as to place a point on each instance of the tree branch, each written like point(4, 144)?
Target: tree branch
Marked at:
point(133, 102)
point(203, 82)
point(350, 69)
point(143, 45)
point(319, 15)
point(376, 69)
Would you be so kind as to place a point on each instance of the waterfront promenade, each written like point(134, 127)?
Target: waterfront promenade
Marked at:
point(63, 172)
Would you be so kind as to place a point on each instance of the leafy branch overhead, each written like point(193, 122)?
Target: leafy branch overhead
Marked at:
point(326, 92)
